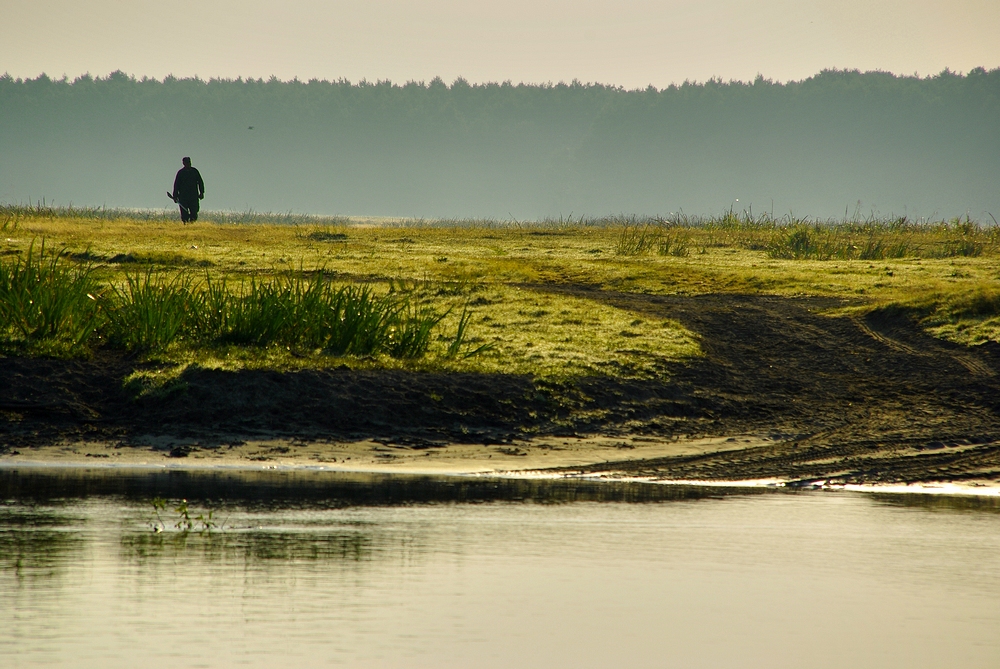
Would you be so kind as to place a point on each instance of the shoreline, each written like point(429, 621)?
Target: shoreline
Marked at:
point(984, 488)
point(382, 456)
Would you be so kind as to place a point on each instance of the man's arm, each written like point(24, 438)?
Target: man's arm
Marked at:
point(177, 184)
point(201, 186)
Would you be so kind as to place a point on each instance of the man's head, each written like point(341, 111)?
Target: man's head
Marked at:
point(186, 161)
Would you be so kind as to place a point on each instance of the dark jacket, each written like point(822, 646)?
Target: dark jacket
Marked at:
point(188, 186)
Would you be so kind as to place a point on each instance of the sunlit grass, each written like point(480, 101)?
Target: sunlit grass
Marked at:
point(490, 282)
point(46, 302)
point(967, 313)
point(552, 334)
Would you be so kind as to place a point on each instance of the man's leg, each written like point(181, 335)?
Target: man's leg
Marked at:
point(190, 211)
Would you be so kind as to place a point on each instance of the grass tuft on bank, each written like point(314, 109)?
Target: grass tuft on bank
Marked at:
point(51, 306)
point(47, 304)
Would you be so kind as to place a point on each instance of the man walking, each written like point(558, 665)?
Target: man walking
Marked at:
point(188, 189)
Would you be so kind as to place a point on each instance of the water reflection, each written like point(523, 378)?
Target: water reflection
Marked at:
point(948, 503)
point(37, 542)
point(248, 547)
point(288, 489)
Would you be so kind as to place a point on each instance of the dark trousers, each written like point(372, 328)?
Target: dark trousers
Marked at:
point(189, 210)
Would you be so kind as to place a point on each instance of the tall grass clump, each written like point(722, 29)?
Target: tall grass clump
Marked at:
point(257, 313)
point(410, 332)
point(308, 311)
point(674, 243)
point(149, 312)
point(882, 247)
point(798, 243)
point(356, 321)
point(51, 305)
point(636, 238)
point(965, 238)
point(46, 301)
point(968, 248)
point(881, 239)
point(842, 242)
point(740, 229)
point(641, 237)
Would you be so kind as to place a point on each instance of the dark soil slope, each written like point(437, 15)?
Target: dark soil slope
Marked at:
point(872, 399)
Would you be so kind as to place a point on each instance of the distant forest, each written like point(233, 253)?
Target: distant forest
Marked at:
point(839, 141)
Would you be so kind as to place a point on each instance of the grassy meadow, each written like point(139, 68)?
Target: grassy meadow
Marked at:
point(288, 292)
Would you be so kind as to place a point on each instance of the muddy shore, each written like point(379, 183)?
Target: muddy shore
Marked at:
point(783, 392)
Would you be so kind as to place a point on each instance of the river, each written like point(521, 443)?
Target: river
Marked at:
point(313, 569)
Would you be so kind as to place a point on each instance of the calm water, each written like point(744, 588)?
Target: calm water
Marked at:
point(317, 571)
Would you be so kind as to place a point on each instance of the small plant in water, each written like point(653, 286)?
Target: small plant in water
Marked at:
point(201, 523)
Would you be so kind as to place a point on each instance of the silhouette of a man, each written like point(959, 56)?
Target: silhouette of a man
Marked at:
point(188, 190)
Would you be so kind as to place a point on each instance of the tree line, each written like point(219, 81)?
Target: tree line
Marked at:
point(897, 144)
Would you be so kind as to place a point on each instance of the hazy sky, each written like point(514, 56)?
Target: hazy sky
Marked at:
point(632, 43)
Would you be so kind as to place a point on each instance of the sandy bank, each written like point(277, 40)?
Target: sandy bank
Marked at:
point(383, 456)
point(593, 459)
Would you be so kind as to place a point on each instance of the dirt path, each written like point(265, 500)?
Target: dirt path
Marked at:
point(855, 399)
